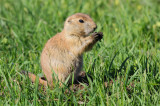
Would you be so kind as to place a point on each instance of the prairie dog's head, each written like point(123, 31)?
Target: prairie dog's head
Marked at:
point(79, 24)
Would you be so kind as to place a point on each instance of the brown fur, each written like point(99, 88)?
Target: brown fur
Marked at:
point(63, 53)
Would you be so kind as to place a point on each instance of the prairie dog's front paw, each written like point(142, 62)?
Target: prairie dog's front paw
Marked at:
point(97, 35)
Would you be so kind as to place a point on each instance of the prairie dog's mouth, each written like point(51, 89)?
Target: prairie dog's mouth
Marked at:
point(90, 32)
point(93, 31)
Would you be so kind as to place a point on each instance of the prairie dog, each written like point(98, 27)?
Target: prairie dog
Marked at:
point(63, 53)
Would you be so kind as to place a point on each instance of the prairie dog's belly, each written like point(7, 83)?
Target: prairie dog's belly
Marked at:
point(63, 64)
point(68, 64)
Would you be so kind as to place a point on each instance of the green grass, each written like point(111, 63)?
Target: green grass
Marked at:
point(128, 56)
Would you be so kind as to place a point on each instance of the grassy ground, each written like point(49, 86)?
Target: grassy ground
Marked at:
point(125, 65)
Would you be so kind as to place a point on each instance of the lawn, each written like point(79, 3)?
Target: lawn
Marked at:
point(125, 65)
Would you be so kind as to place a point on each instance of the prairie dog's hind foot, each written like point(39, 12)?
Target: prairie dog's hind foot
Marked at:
point(82, 78)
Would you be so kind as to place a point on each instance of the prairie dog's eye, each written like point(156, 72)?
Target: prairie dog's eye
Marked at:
point(81, 21)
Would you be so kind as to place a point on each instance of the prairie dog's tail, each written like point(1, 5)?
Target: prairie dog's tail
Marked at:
point(33, 78)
